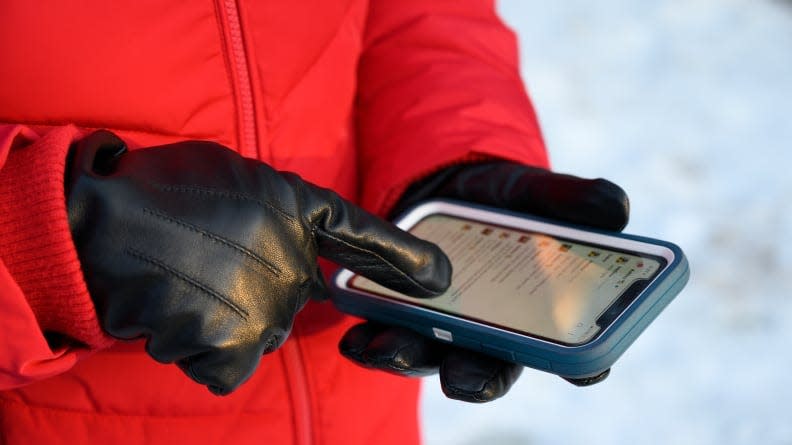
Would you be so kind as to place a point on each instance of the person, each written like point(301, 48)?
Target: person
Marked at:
point(174, 235)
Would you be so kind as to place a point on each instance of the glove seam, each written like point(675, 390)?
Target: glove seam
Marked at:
point(391, 362)
point(477, 393)
point(187, 279)
point(224, 194)
point(215, 238)
point(487, 383)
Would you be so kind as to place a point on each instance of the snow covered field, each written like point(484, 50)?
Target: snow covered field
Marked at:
point(688, 106)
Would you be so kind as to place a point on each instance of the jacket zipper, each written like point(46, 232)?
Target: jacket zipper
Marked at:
point(248, 143)
point(294, 368)
point(298, 388)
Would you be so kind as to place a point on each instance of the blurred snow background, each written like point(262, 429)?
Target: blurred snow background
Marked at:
point(688, 106)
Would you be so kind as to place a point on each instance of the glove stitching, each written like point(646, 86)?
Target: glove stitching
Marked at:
point(216, 238)
point(391, 361)
point(224, 194)
point(378, 256)
point(189, 280)
point(477, 394)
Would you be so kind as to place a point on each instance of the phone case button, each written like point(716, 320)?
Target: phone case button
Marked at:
point(442, 334)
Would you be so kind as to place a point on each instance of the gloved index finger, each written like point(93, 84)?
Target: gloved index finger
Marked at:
point(380, 251)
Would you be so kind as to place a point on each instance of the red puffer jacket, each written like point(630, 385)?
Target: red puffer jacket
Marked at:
point(362, 96)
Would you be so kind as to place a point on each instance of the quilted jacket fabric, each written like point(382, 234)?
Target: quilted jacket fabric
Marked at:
point(362, 96)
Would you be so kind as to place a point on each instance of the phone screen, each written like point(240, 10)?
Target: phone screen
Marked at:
point(527, 282)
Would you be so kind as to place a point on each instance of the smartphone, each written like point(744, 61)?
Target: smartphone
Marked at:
point(560, 298)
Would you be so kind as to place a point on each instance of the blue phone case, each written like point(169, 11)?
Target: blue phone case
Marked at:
point(583, 361)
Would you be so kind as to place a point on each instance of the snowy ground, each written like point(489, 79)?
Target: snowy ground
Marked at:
point(688, 105)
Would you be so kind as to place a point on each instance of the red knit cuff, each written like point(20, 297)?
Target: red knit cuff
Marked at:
point(35, 240)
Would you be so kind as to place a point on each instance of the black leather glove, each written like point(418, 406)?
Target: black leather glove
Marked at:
point(468, 375)
point(209, 255)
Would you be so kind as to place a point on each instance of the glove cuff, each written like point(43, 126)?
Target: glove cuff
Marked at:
point(35, 240)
